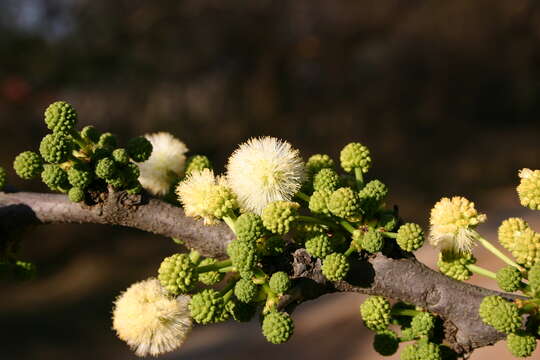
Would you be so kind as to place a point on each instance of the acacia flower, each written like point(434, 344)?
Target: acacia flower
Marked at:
point(165, 165)
point(149, 321)
point(204, 195)
point(264, 170)
point(453, 222)
point(529, 188)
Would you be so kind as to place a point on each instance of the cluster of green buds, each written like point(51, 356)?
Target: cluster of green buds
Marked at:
point(75, 162)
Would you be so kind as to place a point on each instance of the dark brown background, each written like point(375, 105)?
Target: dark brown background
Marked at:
point(446, 95)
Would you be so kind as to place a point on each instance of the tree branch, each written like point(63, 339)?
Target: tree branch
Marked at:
point(398, 276)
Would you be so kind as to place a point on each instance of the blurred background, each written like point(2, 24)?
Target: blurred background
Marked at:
point(445, 94)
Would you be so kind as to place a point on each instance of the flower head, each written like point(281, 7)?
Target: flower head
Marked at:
point(529, 188)
point(149, 321)
point(453, 222)
point(165, 165)
point(264, 170)
point(206, 196)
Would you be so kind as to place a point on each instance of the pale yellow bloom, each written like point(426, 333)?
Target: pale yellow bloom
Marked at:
point(149, 321)
point(529, 188)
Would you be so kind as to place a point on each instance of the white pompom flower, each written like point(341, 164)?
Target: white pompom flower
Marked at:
point(165, 165)
point(264, 170)
point(453, 223)
point(149, 321)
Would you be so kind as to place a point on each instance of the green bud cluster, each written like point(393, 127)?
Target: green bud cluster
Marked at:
point(76, 194)
point(90, 134)
point(56, 148)
point(534, 278)
point(386, 342)
point(249, 227)
point(326, 179)
point(410, 237)
point(120, 156)
point(499, 313)
point(375, 312)
point(355, 155)
point(245, 290)
point(522, 241)
point(107, 141)
point(207, 307)
point(244, 257)
point(278, 216)
point(55, 178)
point(372, 196)
point(423, 324)
point(372, 241)
point(139, 149)
point(319, 245)
point(60, 117)
point(277, 327)
point(521, 344)
point(509, 278)
point(80, 176)
point(279, 282)
point(197, 163)
point(318, 162)
point(318, 202)
point(335, 267)
point(210, 277)
point(454, 264)
point(177, 274)
point(28, 165)
point(344, 203)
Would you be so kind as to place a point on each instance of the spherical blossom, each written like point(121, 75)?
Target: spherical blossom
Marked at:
point(165, 165)
point(264, 170)
point(149, 321)
point(453, 222)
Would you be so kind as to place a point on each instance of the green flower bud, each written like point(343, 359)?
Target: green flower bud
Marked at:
point(76, 194)
point(453, 264)
point(319, 245)
point(249, 227)
point(246, 291)
point(107, 141)
point(279, 282)
point(3, 178)
point(318, 202)
point(55, 148)
point(521, 344)
point(136, 189)
point(423, 324)
point(410, 237)
point(509, 278)
point(529, 188)
point(375, 312)
point(499, 313)
point(335, 267)
point(121, 156)
point(344, 203)
point(139, 149)
point(197, 163)
point(54, 177)
point(386, 342)
point(90, 134)
point(355, 155)
point(177, 274)
point(388, 221)
point(207, 307)
point(372, 196)
point(318, 162)
point(106, 169)
point(80, 176)
point(534, 278)
point(428, 351)
point(244, 257)
point(28, 165)
point(409, 352)
point(279, 215)
point(277, 327)
point(60, 117)
point(372, 241)
point(210, 277)
point(326, 179)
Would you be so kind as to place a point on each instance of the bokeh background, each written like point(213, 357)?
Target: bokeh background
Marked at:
point(446, 95)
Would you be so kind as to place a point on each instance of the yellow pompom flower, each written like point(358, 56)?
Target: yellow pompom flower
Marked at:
point(149, 321)
point(529, 188)
point(204, 195)
point(453, 222)
point(264, 170)
point(165, 165)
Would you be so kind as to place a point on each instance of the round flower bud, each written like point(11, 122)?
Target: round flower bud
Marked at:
point(423, 324)
point(3, 178)
point(54, 177)
point(521, 344)
point(509, 278)
point(277, 327)
point(107, 141)
point(372, 241)
point(375, 312)
point(410, 237)
point(121, 156)
point(428, 351)
point(244, 257)
point(207, 306)
point(529, 188)
point(319, 245)
point(335, 267)
point(409, 352)
point(318, 162)
point(28, 165)
point(210, 277)
point(279, 282)
point(55, 148)
point(522, 241)
point(245, 290)
point(454, 264)
point(372, 195)
point(177, 274)
point(76, 194)
point(278, 216)
point(499, 313)
point(79, 176)
point(197, 163)
point(60, 117)
point(326, 179)
point(534, 278)
point(90, 134)
point(344, 203)
point(386, 342)
point(106, 168)
point(139, 148)
point(509, 230)
point(318, 202)
point(249, 227)
point(355, 155)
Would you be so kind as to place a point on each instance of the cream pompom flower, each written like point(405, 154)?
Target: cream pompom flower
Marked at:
point(204, 195)
point(264, 170)
point(165, 165)
point(149, 321)
point(452, 224)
